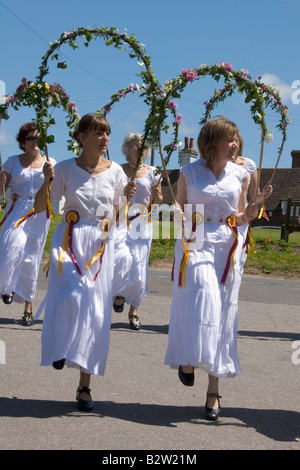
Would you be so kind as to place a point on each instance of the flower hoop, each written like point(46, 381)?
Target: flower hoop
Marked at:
point(160, 99)
point(258, 94)
point(150, 88)
point(41, 96)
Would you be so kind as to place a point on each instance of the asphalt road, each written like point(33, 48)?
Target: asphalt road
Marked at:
point(140, 405)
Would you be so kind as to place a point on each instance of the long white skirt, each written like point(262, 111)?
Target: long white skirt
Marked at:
point(77, 316)
point(21, 250)
point(204, 313)
point(132, 262)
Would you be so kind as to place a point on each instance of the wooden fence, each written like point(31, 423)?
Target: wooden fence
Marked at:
point(290, 223)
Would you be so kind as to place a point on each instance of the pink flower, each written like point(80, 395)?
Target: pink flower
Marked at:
point(72, 105)
point(268, 239)
point(106, 109)
point(179, 118)
point(23, 85)
point(189, 74)
point(227, 67)
point(172, 105)
point(131, 88)
point(11, 99)
point(173, 146)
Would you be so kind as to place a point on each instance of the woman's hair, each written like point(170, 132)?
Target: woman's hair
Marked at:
point(241, 143)
point(91, 122)
point(210, 135)
point(129, 140)
point(24, 131)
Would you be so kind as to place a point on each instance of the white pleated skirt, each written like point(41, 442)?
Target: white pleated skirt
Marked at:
point(204, 313)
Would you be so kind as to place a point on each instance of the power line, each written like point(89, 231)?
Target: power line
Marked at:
point(64, 55)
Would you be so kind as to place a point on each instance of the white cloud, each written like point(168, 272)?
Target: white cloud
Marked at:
point(5, 138)
point(2, 90)
point(285, 89)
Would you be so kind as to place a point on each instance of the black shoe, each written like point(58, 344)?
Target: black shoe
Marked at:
point(119, 307)
point(186, 379)
point(210, 413)
point(58, 365)
point(7, 299)
point(134, 325)
point(84, 405)
point(27, 319)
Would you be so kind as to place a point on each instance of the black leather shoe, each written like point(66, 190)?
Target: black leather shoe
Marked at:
point(27, 319)
point(186, 379)
point(7, 299)
point(58, 365)
point(84, 405)
point(210, 413)
point(119, 307)
point(134, 325)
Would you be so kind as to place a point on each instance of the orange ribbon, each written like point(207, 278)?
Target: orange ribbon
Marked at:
point(72, 218)
point(100, 252)
point(262, 211)
point(196, 219)
point(26, 216)
point(14, 197)
point(47, 267)
point(231, 222)
point(49, 208)
point(249, 240)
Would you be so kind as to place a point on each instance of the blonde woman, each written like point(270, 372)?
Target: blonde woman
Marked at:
point(204, 310)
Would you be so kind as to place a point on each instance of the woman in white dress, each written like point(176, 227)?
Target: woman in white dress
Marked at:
point(23, 232)
point(204, 311)
point(78, 303)
point(133, 243)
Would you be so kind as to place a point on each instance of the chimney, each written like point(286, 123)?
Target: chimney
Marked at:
point(188, 154)
point(295, 158)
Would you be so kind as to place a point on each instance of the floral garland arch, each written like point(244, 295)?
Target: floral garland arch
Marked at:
point(257, 93)
point(40, 95)
point(121, 41)
point(159, 98)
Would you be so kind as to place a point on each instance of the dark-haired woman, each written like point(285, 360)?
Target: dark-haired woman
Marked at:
point(23, 231)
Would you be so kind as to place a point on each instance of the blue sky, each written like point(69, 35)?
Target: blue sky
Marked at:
point(259, 36)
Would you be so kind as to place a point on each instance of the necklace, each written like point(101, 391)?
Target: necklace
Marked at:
point(90, 169)
point(138, 169)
